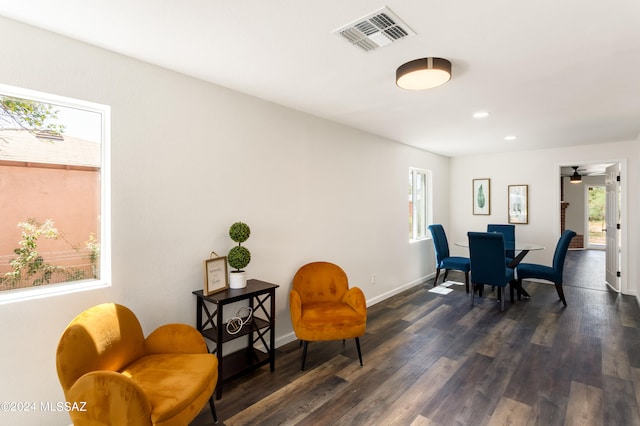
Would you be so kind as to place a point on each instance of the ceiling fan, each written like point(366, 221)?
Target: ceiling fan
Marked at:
point(575, 177)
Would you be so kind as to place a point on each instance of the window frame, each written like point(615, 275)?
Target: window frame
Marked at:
point(416, 234)
point(36, 292)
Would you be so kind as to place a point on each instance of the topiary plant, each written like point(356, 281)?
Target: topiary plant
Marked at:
point(239, 256)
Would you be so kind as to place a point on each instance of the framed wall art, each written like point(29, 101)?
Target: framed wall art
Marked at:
point(482, 196)
point(215, 275)
point(519, 204)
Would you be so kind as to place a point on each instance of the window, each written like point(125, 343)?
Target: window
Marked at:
point(54, 194)
point(419, 203)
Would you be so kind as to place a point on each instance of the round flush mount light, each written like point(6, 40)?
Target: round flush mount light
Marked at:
point(424, 73)
point(481, 114)
point(510, 138)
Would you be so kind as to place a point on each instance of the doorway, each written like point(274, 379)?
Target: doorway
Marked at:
point(584, 196)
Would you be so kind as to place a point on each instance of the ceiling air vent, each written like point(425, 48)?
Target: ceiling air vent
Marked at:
point(375, 30)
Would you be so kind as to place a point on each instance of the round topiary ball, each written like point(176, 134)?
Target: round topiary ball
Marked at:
point(239, 232)
point(239, 257)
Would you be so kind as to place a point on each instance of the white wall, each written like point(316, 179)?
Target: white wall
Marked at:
point(540, 170)
point(190, 158)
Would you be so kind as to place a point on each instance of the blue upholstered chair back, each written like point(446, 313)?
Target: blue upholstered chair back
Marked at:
point(440, 242)
point(509, 234)
point(486, 251)
point(561, 250)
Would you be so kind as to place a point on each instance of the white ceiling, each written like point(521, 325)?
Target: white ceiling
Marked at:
point(552, 72)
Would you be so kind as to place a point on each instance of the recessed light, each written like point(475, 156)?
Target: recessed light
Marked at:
point(481, 114)
point(510, 138)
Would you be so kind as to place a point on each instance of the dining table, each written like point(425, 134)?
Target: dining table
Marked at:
point(521, 248)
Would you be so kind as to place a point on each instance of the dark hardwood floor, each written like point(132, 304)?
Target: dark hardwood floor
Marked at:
point(589, 268)
point(431, 359)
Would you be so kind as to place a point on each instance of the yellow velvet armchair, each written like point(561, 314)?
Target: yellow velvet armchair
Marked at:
point(323, 307)
point(117, 377)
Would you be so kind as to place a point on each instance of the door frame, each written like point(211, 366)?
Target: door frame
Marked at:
point(624, 227)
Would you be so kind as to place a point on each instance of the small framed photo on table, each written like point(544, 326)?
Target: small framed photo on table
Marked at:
point(482, 196)
point(519, 204)
point(215, 275)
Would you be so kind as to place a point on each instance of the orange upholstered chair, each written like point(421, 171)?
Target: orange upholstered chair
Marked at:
point(323, 307)
point(103, 359)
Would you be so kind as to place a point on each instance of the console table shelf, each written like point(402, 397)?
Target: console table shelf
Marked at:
point(255, 325)
point(210, 322)
point(239, 362)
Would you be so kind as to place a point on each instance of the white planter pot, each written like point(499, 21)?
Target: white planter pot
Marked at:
point(237, 279)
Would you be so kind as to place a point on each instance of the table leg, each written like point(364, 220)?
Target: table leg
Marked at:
point(513, 265)
point(516, 260)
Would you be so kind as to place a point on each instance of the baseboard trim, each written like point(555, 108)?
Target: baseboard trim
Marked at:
point(400, 289)
point(287, 338)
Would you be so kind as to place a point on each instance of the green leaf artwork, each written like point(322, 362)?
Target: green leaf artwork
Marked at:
point(481, 199)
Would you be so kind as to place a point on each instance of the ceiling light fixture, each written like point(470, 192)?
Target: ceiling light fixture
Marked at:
point(510, 138)
point(575, 177)
point(481, 114)
point(424, 73)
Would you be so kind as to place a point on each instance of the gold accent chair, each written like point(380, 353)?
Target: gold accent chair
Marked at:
point(323, 307)
point(104, 359)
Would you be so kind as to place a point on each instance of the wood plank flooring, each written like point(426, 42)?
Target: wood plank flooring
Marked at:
point(589, 267)
point(431, 359)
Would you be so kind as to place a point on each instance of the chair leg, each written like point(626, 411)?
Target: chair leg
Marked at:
point(304, 353)
point(512, 283)
point(561, 293)
point(446, 274)
point(502, 301)
point(435, 282)
point(473, 292)
point(213, 409)
point(466, 281)
point(359, 351)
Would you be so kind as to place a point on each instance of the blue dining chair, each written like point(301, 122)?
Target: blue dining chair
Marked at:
point(549, 273)
point(487, 256)
point(509, 233)
point(444, 260)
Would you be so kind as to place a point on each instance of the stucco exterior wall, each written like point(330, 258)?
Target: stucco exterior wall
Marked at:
point(70, 198)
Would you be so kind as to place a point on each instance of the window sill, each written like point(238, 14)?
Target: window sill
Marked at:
point(23, 294)
point(419, 240)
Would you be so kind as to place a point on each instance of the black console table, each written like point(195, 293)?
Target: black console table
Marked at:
point(262, 300)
